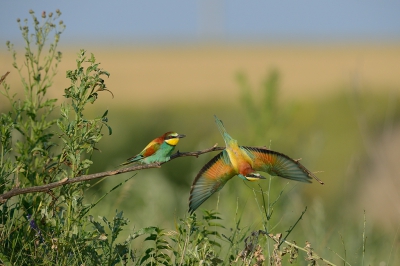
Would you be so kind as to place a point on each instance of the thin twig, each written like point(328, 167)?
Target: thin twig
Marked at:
point(344, 261)
point(292, 227)
point(4, 77)
point(196, 153)
point(344, 247)
point(364, 240)
point(45, 188)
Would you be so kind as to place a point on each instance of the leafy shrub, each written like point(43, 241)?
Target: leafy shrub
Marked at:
point(39, 147)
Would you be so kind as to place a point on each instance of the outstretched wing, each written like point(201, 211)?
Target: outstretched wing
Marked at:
point(278, 164)
point(211, 178)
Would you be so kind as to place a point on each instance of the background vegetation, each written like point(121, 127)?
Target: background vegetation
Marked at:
point(141, 218)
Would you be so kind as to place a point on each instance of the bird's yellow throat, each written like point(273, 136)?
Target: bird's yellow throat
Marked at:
point(173, 141)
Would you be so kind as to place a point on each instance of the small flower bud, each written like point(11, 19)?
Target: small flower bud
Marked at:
point(31, 11)
point(44, 14)
point(50, 14)
point(18, 20)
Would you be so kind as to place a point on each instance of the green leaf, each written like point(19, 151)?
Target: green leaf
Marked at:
point(151, 237)
point(109, 129)
point(216, 224)
point(163, 247)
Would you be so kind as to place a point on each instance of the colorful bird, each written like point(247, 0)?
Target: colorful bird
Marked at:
point(244, 162)
point(158, 150)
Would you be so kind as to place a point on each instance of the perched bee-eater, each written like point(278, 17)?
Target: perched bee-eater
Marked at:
point(158, 150)
point(244, 162)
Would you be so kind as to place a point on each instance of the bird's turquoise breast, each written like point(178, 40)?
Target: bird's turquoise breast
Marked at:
point(161, 155)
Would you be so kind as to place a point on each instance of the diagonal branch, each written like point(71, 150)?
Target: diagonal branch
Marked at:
point(45, 188)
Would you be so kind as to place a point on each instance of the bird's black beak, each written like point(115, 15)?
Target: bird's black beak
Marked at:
point(254, 176)
point(181, 136)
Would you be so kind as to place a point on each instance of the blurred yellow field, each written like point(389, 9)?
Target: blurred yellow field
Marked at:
point(143, 75)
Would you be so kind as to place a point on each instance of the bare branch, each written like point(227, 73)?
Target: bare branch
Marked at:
point(45, 188)
point(197, 153)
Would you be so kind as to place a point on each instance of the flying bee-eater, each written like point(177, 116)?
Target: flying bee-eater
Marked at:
point(158, 150)
point(244, 162)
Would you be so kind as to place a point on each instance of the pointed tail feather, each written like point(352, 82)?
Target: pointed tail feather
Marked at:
point(222, 130)
point(132, 160)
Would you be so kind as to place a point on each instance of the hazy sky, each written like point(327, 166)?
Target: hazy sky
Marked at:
point(176, 21)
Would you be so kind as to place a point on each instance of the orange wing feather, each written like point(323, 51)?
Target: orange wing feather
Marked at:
point(211, 178)
point(149, 150)
point(278, 164)
point(152, 147)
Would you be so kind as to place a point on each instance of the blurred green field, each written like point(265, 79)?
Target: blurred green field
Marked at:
point(336, 109)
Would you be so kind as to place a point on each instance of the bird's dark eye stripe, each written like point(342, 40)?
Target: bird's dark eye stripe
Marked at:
point(171, 137)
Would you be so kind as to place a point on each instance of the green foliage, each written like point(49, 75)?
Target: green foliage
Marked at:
point(156, 254)
point(196, 242)
point(6, 164)
point(104, 249)
point(79, 134)
point(38, 148)
point(30, 114)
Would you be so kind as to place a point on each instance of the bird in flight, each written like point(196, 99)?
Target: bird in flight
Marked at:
point(244, 162)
